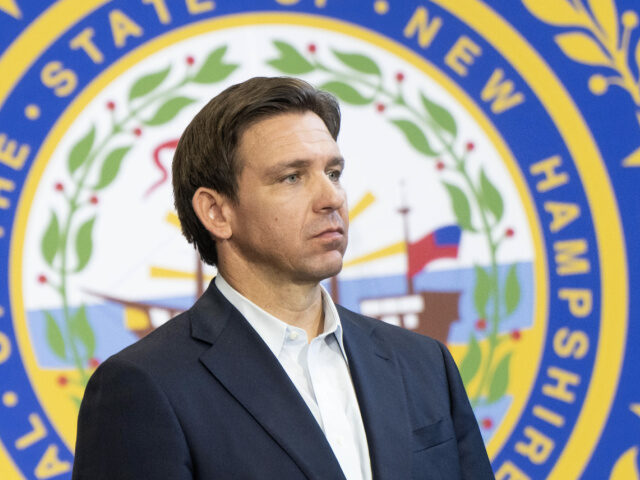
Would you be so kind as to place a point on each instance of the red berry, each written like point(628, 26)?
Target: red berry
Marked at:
point(111, 105)
point(59, 187)
point(470, 146)
point(42, 279)
point(94, 362)
point(399, 76)
point(516, 334)
point(481, 324)
point(509, 232)
point(487, 423)
point(312, 48)
point(137, 131)
point(190, 60)
point(440, 165)
point(62, 380)
point(380, 107)
point(93, 200)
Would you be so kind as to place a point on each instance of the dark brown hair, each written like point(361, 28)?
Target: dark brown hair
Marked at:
point(206, 153)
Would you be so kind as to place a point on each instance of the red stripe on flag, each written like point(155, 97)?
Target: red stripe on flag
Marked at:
point(425, 250)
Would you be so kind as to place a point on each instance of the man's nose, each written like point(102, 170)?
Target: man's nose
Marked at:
point(329, 195)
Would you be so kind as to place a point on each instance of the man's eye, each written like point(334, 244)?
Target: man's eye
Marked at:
point(293, 178)
point(334, 175)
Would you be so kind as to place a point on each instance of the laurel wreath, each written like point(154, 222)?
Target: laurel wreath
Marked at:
point(432, 131)
point(598, 41)
point(93, 165)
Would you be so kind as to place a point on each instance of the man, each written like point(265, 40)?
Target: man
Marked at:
point(264, 377)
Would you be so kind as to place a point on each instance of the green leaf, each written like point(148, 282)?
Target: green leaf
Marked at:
point(77, 401)
point(346, 93)
point(481, 291)
point(499, 380)
point(110, 167)
point(80, 151)
point(168, 110)
point(512, 290)
point(81, 330)
point(148, 83)
point(440, 115)
point(415, 136)
point(471, 362)
point(214, 69)
point(461, 206)
point(358, 62)
point(84, 243)
point(290, 61)
point(51, 239)
point(54, 337)
point(491, 196)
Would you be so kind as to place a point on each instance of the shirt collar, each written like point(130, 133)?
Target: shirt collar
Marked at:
point(272, 330)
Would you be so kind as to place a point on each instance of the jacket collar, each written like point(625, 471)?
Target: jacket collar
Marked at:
point(272, 399)
point(243, 363)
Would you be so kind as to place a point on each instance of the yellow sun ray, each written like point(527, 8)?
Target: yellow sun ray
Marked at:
point(364, 203)
point(395, 249)
point(160, 272)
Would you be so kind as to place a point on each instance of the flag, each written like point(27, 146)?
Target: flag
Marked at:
point(441, 243)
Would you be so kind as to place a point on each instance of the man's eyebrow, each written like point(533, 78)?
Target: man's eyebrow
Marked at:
point(279, 168)
point(282, 167)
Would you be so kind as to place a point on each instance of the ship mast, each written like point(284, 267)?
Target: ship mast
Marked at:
point(404, 211)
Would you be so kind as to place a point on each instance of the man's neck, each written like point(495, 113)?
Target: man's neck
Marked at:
point(299, 305)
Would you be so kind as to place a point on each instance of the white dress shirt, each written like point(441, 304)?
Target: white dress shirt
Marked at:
point(319, 370)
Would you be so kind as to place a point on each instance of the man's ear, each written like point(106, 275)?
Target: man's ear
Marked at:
point(211, 208)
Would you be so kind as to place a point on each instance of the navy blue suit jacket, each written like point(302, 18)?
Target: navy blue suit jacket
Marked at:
point(203, 397)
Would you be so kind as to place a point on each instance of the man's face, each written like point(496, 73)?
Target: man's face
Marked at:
point(291, 219)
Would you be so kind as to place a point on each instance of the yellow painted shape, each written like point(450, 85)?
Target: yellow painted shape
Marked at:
point(172, 219)
point(394, 249)
point(7, 467)
point(135, 319)
point(635, 408)
point(626, 467)
point(160, 272)
point(633, 160)
point(10, 7)
point(364, 203)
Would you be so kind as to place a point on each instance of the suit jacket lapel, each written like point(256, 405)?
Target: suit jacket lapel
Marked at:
point(381, 396)
point(243, 363)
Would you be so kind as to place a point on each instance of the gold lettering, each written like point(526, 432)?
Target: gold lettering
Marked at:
point(419, 22)
point(122, 27)
point(500, 93)
point(461, 55)
point(562, 214)
point(50, 465)
point(200, 6)
point(62, 80)
point(552, 179)
point(548, 416)
point(84, 41)
point(7, 186)
point(508, 471)
point(570, 344)
point(559, 391)
point(161, 10)
point(5, 348)
point(37, 433)
point(8, 154)
point(567, 260)
point(580, 300)
point(538, 448)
